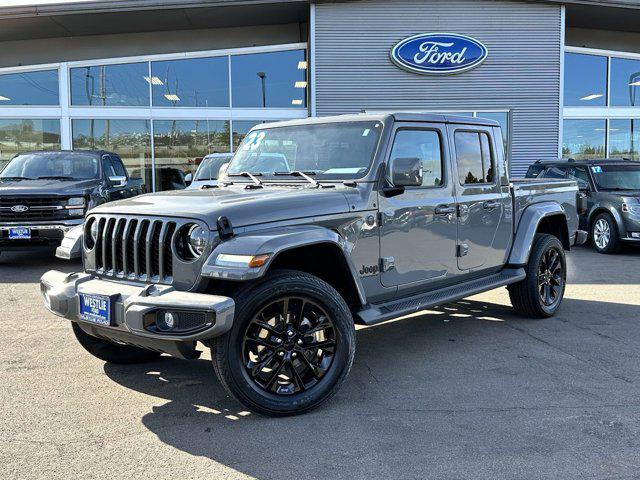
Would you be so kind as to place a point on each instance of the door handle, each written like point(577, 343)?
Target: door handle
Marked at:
point(445, 210)
point(490, 205)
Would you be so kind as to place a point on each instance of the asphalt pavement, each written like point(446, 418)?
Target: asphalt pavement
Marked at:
point(465, 391)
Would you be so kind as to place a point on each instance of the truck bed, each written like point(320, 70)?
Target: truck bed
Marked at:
point(527, 191)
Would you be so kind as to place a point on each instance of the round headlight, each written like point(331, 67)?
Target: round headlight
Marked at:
point(198, 237)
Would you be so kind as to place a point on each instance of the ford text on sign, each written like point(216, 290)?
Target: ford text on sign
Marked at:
point(434, 53)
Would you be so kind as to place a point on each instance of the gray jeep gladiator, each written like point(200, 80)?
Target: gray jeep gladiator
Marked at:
point(317, 225)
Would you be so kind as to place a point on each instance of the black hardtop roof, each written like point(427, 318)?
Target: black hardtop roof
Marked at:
point(594, 161)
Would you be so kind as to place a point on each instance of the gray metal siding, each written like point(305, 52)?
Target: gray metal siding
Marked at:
point(521, 74)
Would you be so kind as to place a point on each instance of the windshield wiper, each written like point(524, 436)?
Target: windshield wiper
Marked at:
point(10, 179)
point(55, 177)
point(253, 176)
point(303, 174)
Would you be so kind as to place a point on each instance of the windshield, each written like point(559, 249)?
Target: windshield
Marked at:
point(209, 169)
point(327, 151)
point(617, 177)
point(63, 166)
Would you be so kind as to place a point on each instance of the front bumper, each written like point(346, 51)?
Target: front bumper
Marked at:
point(631, 226)
point(131, 307)
point(41, 233)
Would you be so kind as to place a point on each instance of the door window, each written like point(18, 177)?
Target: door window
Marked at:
point(425, 145)
point(474, 157)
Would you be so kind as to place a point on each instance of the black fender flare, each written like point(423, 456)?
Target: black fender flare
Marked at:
point(274, 242)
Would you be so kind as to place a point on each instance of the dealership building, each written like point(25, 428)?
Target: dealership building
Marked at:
point(165, 82)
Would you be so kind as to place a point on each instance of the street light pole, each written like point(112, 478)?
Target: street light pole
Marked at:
point(262, 76)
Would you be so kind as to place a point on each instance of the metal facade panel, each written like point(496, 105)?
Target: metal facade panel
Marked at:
point(522, 72)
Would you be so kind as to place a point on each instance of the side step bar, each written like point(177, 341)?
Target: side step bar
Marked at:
point(373, 314)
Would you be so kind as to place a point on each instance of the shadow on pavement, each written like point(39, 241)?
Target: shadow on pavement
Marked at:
point(469, 374)
point(28, 266)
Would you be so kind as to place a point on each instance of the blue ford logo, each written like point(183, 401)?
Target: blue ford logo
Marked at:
point(430, 53)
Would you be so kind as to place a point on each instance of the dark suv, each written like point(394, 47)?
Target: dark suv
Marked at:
point(612, 188)
point(45, 194)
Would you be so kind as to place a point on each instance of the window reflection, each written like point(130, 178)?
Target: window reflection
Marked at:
point(240, 130)
point(180, 145)
point(130, 139)
point(624, 138)
point(22, 135)
point(625, 82)
point(274, 79)
point(110, 85)
point(194, 82)
point(29, 88)
point(584, 139)
point(585, 80)
point(503, 119)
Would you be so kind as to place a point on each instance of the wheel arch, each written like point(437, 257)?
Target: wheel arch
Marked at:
point(546, 217)
point(611, 211)
point(312, 249)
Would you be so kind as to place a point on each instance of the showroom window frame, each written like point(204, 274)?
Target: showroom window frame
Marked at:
point(65, 112)
point(607, 112)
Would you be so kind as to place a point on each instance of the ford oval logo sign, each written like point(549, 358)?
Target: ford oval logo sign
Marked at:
point(435, 53)
point(19, 208)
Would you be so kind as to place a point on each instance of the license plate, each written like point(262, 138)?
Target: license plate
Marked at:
point(20, 233)
point(95, 309)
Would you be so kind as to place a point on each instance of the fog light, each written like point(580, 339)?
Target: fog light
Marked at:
point(76, 212)
point(635, 234)
point(169, 321)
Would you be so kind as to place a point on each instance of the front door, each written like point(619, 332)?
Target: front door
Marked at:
point(483, 203)
point(418, 227)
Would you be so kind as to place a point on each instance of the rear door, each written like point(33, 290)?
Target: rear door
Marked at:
point(418, 227)
point(483, 229)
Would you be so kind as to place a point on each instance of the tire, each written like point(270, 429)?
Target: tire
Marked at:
point(527, 295)
point(112, 352)
point(289, 368)
point(604, 234)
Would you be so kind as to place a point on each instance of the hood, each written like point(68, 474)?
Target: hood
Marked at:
point(242, 206)
point(46, 187)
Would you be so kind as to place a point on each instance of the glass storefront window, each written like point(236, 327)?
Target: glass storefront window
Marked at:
point(179, 146)
point(274, 79)
point(585, 80)
point(23, 135)
point(584, 139)
point(240, 130)
point(503, 119)
point(624, 138)
point(29, 88)
point(625, 82)
point(111, 85)
point(194, 82)
point(130, 139)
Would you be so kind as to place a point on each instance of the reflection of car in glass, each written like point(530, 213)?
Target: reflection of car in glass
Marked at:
point(208, 171)
point(45, 194)
point(324, 223)
point(612, 188)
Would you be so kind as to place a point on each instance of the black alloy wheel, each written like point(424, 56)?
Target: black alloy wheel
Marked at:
point(550, 277)
point(289, 346)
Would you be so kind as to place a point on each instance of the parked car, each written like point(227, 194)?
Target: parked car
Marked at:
point(612, 188)
point(208, 171)
point(273, 270)
point(45, 194)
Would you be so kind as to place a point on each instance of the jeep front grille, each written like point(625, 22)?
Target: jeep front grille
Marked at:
point(135, 248)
